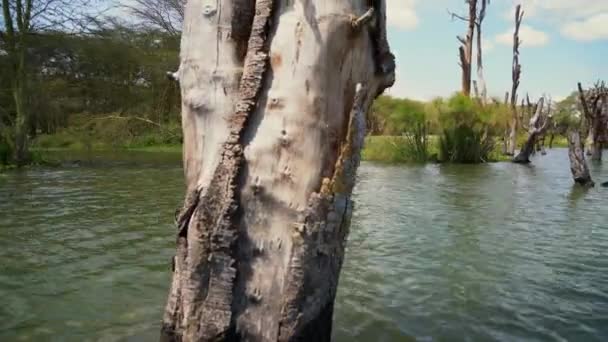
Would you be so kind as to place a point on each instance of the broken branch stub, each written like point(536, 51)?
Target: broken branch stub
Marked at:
point(272, 138)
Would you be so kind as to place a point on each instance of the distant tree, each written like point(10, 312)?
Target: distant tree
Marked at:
point(21, 20)
point(165, 15)
point(465, 51)
point(566, 117)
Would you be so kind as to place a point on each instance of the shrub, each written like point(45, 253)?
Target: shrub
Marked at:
point(466, 131)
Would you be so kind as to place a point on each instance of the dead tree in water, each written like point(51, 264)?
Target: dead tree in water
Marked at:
point(578, 164)
point(272, 138)
point(594, 103)
point(481, 81)
point(538, 125)
point(516, 75)
point(540, 141)
point(465, 51)
point(505, 136)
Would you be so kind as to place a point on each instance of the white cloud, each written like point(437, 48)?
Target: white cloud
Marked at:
point(401, 14)
point(530, 37)
point(559, 9)
point(592, 28)
point(582, 20)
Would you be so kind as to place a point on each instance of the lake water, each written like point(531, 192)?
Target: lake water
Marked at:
point(497, 252)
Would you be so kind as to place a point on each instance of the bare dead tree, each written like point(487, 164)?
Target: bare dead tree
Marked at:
point(578, 163)
point(543, 136)
point(480, 76)
point(538, 125)
point(165, 15)
point(594, 104)
point(465, 51)
point(516, 75)
point(272, 140)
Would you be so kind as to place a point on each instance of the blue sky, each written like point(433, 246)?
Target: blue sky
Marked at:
point(564, 42)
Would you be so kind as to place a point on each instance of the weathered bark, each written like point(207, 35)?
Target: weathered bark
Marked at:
point(538, 125)
point(481, 81)
point(272, 136)
point(578, 164)
point(594, 103)
point(465, 51)
point(515, 75)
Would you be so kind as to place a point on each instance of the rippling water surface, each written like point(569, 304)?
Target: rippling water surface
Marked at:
point(495, 252)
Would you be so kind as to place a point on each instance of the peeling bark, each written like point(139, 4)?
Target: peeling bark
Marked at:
point(273, 133)
point(578, 164)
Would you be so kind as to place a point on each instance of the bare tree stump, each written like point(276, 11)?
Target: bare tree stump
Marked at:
point(274, 103)
point(578, 163)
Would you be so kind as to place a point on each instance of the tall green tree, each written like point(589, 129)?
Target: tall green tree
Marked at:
point(21, 20)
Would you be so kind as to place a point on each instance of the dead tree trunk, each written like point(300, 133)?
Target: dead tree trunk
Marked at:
point(537, 127)
point(594, 103)
point(483, 91)
point(505, 136)
point(272, 137)
point(543, 137)
point(578, 164)
point(465, 51)
point(516, 74)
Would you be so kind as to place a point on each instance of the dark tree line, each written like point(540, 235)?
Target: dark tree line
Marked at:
point(56, 61)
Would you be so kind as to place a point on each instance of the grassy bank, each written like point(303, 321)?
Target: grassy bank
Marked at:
point(393, 149)
point(385, 149)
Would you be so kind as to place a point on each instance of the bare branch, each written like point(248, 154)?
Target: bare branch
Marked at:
point(166, 15)
point(456, 16)
point(364, 19)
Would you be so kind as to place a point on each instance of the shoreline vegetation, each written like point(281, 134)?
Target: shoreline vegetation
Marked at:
point(380, 149)
point(113, 94)
point(457, 130)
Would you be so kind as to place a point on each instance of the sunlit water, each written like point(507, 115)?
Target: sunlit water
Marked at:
point(437, 253)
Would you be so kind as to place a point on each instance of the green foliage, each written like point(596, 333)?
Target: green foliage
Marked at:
point(117, 70)
point(466, 128)
point(110, 131)
point(387, 149)
point(566, 115)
